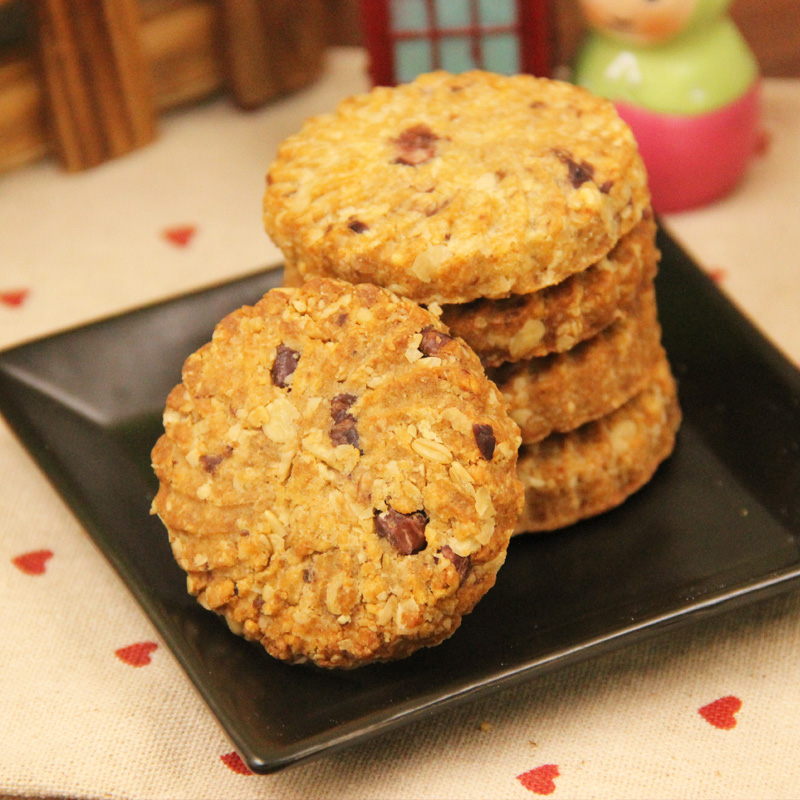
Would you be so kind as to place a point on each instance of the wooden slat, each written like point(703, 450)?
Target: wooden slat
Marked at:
point(271, 47)
point(181, 47)
point(95, 79)
point(22, 137)
point(178, 40)
point(245, 48)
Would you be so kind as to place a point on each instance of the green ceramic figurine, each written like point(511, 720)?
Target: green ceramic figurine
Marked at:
point(685, 80)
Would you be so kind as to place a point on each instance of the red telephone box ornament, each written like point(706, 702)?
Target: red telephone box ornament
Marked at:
point(407, 37)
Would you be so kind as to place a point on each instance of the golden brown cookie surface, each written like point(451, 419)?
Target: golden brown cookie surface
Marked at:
point(337, 475)
point(558, 317)
point(576, 475)
point(452, 188)
point(562, 391)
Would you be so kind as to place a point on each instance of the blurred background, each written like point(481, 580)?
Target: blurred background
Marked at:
point(87, 81)
point(771, 27)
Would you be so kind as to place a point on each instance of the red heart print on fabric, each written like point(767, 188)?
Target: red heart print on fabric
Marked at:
point(540, 780)
point(33, 563)
point(14, 298)
point(136, 655)
point(233, 761)
point(180, 235)
point(721, 712)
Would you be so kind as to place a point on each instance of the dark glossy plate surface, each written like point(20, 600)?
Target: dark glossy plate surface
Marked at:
point(717, 526)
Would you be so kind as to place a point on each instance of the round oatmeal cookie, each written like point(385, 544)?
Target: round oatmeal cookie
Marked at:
point(557, 318)
point(562, 391)
point(337, 475)
point(455, 187)
point(572, 476)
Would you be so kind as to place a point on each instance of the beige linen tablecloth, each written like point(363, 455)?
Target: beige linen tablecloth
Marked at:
point(93, 705)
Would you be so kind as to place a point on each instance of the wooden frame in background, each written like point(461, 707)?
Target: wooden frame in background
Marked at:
point(529, 22)
point(90, 80)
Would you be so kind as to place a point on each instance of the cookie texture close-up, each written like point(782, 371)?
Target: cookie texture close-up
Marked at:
point(572, 476)
point(562, 391)
point(337, 475)
point(456, 187)
point(557, 318)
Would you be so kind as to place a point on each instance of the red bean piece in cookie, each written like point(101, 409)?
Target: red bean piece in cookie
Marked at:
point(461, 563)
point(343, 430)
point(340, 405)
point(357, 226)
point(417, 145)
point(485, 439)
point(405, 532)
point(579, 172)
point(211, 462)
point(284, 365)
point(433, 341)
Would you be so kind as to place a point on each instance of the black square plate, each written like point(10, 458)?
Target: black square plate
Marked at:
point(717, 526)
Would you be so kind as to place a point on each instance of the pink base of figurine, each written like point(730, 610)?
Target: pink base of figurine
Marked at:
point(693, 160)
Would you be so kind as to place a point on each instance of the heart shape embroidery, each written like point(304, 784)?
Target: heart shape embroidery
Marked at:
point(136, 655)
point(180, 235)
point(233, 761)
point(540, 780)
point(33, 563)
point(721, 712)
point(15, 297)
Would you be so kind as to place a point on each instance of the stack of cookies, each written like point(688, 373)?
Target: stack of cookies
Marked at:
point(517, 209)
point(469, 347)
point(582, 370)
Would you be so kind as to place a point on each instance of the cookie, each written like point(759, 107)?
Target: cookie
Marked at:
point(292, 279)
point(562, 391)
point(572, 476)
point(337, 475)
point(557, 318)
point(455, 187)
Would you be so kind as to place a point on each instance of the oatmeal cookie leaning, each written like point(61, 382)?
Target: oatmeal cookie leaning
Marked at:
point(337, 475)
